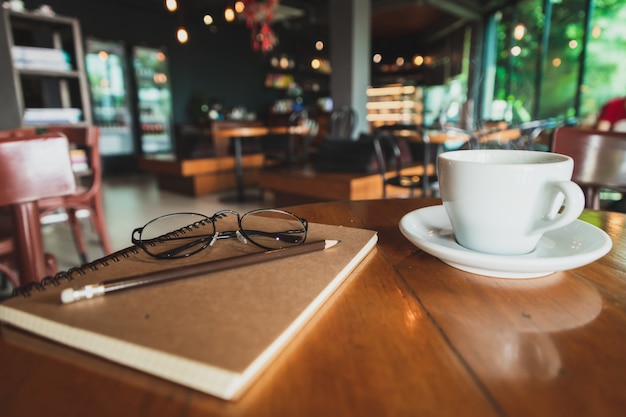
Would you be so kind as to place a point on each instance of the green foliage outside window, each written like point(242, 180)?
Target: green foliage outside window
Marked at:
point(540, 48)
point(605, 75)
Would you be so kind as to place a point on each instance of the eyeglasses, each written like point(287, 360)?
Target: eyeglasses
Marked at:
point(179, 235)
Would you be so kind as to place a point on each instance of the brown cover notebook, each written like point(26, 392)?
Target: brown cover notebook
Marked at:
point(213, 333)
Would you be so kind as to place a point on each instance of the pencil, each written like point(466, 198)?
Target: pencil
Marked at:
point(87, 292)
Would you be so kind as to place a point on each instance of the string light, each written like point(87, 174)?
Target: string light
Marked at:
point(159, 78)
point(519, 31)
point(171, 5)
point(229, 14)
point(182, 35)
point(596, 32)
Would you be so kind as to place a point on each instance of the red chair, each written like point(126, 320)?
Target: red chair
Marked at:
point(7, 263)
point(18, 132)
point(599, 160)
point(87, 197)
point(31, 168)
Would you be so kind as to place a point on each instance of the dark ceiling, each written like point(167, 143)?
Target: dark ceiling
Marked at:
point(425, 17)
point(390, 18)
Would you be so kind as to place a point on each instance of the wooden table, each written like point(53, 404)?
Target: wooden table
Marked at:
point(405, 335)
point(237, 134)
point(305, 184)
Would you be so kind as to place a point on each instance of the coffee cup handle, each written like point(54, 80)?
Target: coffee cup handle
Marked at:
point(574, 205)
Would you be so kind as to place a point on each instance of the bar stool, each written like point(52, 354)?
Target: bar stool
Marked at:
point(32, 168)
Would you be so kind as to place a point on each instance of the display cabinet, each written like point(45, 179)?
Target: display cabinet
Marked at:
point(42, 71)
point(395, 104)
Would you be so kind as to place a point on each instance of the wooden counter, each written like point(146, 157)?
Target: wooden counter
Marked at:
point(291, 186)
point(201, 176)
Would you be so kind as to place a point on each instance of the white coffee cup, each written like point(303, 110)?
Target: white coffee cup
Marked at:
point(503, 201)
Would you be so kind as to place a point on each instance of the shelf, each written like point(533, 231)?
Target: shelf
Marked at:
point(29, 19)
point(395, 104)
point(48, 73)
point(41, 42)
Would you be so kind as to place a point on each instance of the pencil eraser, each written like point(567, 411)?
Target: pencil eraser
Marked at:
point(67, 296)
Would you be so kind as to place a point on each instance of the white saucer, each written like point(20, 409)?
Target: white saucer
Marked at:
point(569, 247)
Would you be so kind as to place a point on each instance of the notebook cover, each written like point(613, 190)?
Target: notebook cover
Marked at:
point(214, 333)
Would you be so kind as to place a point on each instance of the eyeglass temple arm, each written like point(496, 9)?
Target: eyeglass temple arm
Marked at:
point(286, 235)
point(168, 253)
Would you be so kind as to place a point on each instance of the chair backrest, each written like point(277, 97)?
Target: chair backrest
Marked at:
point(33, 168)
point(599, 158)
point(397, 146)
point(297, 118)
point(300, 123)
point(18, 132)
point(85, 138)
point(301, 128)
point(388, 153)
point(342, 122)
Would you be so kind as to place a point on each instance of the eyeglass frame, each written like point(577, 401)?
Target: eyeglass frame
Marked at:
point(240, 233)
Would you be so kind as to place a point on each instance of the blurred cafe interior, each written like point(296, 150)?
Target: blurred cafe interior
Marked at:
point(208, 104)
point(116, 113)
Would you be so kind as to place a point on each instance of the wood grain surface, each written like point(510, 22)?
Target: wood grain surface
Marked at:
point(406, 335)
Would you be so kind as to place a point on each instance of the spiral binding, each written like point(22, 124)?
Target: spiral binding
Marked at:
point(65, 276)
point(76, 272)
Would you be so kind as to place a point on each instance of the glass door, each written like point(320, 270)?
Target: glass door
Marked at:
point(153, 99)
point(108, 78)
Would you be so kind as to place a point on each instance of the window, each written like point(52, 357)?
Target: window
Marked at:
point(605, 64)
point(554, 59)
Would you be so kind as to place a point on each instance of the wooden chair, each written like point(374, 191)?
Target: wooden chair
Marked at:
point(7, 252)
point(87, 197)
point(599, 160)
point(6, 233)
point(17, 132)
point(31, 168)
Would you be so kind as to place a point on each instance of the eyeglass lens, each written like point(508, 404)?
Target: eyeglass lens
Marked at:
point(184, 234)
point(178, 235)
point(273, 229)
